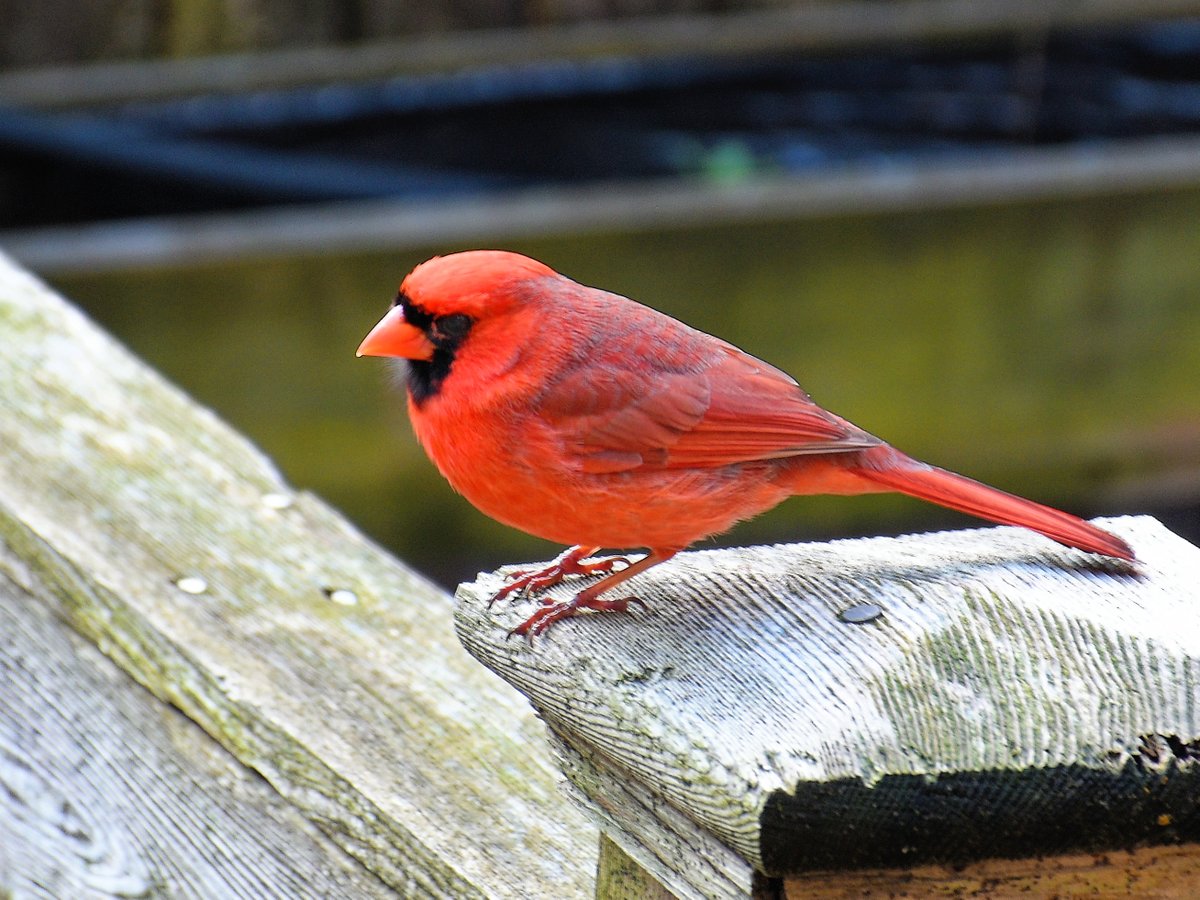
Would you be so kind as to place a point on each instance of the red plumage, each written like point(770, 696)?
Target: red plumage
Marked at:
point(586, 418)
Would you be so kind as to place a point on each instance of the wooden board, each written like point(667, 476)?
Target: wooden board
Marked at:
point(1156, 871)
point(1010, 698)
point(311, 655)
point(109, 792)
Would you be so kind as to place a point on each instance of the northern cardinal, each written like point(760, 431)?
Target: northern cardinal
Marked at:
point(591, 420)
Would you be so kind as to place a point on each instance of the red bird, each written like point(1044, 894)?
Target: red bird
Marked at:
point(588, 419)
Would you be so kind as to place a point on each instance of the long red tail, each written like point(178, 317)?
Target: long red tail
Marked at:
point(908, 476)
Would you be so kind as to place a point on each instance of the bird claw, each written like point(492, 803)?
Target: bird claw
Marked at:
point(588, 599)
point(539, 623)
point(531, 582)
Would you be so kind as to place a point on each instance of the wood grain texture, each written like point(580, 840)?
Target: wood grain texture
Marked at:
point(1158, 872)
point(687, 861)
point(106, 791)
point(619, 877)
point(311, 655)
point(1007, 678)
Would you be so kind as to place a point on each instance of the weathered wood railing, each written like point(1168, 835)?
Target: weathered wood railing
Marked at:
point(872, 711)
point(398, 764)
point(824, 713)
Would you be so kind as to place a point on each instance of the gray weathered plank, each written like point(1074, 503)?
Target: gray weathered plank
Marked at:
point(1020, 676)
point(109, 792)
point(314, 657)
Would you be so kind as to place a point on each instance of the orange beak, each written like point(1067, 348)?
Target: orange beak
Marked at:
point(393, 336)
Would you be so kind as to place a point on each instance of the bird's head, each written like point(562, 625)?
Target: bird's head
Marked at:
point(447, 301)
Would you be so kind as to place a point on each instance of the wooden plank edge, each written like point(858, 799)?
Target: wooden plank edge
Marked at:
point(1155, 871)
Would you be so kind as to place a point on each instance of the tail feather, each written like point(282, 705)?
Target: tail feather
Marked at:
point(967, 495)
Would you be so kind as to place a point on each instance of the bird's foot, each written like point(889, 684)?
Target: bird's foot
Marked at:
point(532, 582)
point(540, 622)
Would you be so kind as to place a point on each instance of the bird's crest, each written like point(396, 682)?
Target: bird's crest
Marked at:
point(470, 281)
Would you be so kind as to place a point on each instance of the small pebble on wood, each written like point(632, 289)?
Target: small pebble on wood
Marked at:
point(341, 596)
point(276, 501)
point(191, 584)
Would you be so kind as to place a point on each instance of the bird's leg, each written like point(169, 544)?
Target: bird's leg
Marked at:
point(534, 581)
point(589, 598)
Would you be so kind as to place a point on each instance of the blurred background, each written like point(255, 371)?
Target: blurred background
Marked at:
point(973, 229)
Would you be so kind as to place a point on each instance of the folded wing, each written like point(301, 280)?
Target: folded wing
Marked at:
point(733, 409)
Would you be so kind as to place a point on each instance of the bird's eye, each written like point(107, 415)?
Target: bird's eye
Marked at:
point(451, 328)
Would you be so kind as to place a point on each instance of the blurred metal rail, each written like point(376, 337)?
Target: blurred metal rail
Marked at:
point(1122, 167)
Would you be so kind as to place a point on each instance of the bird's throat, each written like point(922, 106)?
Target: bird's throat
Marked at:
point(426, 376)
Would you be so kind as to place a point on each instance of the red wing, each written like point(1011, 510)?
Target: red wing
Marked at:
point(759, 412)
point(738, 410)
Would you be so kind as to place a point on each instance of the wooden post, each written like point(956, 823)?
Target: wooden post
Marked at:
point(980, 708)
point(393, 763)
